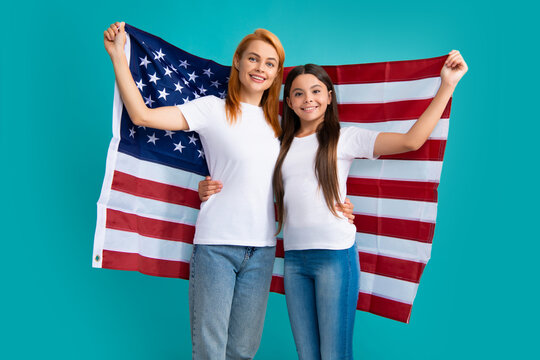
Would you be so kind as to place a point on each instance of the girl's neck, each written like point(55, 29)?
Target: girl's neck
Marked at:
point(307, 128)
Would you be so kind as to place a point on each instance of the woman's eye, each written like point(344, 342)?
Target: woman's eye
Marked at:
point(271, 65)
point(251, 59)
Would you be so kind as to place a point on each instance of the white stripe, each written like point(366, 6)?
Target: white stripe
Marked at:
point(410, 170)
point(387, 91)
point(157, 172)
point(388, 288)
point(130, 242)
point(393, 247)
point(439, 133)
point(153, 209)
point(278, 266)
point(395, 208)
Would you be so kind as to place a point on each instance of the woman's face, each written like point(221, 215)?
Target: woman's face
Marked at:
point(257, 67)
point(309, 97)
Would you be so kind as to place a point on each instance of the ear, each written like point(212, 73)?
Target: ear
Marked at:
point(329, 97)
point(236, 62)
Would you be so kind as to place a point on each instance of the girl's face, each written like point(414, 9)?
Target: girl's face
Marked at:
point(257, 67)
point(309, 98)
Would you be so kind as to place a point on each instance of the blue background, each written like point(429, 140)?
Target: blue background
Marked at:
point(478, 296)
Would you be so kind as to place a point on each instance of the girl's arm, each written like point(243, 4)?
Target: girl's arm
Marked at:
point(166, 117)
point(394, 143)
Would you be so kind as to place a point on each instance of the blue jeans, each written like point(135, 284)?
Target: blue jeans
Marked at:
point(228, 293)
point(321, 288)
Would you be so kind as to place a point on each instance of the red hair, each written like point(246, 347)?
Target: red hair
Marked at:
point(270, 97)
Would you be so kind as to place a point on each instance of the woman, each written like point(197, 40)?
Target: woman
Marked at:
point(321, 261)
point(233, 255)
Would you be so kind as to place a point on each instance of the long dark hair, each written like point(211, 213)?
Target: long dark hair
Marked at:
point(327, 134)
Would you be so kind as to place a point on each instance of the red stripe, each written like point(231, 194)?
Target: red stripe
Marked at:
point(391, 267)
point(383, 71)
point(400, 228)
point(391, 111)
point(149, 266)
point(155, 190)
point(280, 251)
point(381, 112)
point(432, 150)
point(277, 285)
point(393, 189)
point(159, 229)
point(391, 309)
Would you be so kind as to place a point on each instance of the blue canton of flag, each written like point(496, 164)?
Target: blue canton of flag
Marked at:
point(168, 76)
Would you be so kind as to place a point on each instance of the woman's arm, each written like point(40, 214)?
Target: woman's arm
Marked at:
point(394, 143)
point(166, 117)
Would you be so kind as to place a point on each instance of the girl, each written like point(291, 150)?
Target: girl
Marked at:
point(233, 252)
point(321, 261)
point(321, 271)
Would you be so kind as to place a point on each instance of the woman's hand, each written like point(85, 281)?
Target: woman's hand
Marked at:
point(453, 69)
point(209, 187)
point(115, 39)
point(347, 209)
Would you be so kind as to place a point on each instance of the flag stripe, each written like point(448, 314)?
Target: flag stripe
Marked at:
point(413, 170)
point(145, 226)
point(391, 267)
point(432, 150)
point(391, 309)
point(401, 228)
point(391, 111)
point(394, 247)
point(393, 189)
point(383, 71)
point(136, 262)
point(402, 126)
point(155, 190)
point(395, 208)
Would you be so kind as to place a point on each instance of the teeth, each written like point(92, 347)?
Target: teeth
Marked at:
point(257, 77)
point(310, 108)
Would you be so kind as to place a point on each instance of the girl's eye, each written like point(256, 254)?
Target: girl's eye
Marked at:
point(297, 94)
point(316, 91)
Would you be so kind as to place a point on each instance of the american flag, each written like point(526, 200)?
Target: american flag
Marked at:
point(149, 202)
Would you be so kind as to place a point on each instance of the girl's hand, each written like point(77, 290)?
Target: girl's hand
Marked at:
point(347, 209)
point(115, 39)
point(209, 187)
point(453, 69)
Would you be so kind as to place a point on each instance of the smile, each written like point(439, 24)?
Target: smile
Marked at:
point(257, 78)
point(310, 108)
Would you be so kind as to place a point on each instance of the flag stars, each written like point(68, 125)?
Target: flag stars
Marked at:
point(154, 78)
point(148, 100)
point(215, 83)
point(152, 138)
point(168, 71)
point(192, 76)
point(140, 85)
point(185, 81)
point(132, 132)
point(174, 69)
point(163, 94)
point(201, 154)
point(178, 147)
point(186, 99)
point(170, 133)
point(196, 95)
point(178, 87)
point(144, 62)
point(222, 94)
point(184, 64)
point(208, 72)
point(202, 90)
point(159, 55)
point(193, 139)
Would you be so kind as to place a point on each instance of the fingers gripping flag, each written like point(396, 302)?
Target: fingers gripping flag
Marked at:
point(149, 202)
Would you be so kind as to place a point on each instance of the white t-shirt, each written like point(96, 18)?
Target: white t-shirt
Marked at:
point(308, 223)
point(242, 156)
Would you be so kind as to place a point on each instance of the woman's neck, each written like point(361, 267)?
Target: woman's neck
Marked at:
point(252, 98)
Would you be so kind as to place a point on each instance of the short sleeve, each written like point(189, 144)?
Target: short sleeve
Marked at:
point(356, 142)
point(198, 112)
